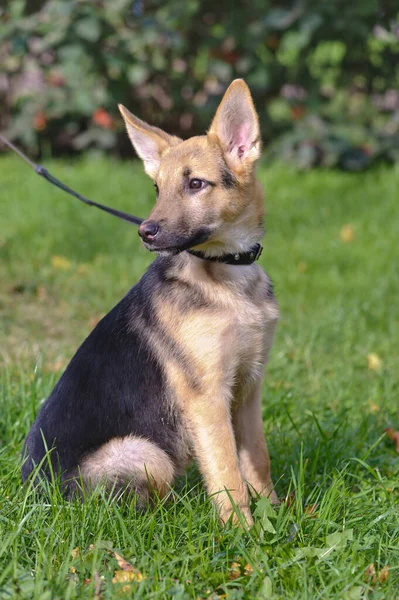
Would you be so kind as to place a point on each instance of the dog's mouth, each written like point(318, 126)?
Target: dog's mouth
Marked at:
point(174, 244)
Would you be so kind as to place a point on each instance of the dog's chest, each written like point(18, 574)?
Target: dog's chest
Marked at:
point(251, 331)
point(222, 341)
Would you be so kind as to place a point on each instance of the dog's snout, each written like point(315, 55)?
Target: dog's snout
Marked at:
point(148, 231)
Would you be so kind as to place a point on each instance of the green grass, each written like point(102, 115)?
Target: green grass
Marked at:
point(325, 411)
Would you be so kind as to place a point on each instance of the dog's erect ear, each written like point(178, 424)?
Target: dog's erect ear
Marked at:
point(149, 142)
point(236, 126)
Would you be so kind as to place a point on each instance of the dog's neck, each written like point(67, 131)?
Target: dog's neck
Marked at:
point(212, 275)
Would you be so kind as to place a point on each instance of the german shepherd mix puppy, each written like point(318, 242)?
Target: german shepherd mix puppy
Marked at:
point(175, 370)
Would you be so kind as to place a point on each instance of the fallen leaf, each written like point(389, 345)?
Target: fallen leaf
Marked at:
point(75, 552)
point(127, 576)
point(234, 571)
point(310, 510)
point(347, 234)
point(127, 573)
point(123, 564)
point(394, 436)
point(61, 262)
point(370, 573)
point(248, 569)
point(374, 362)
point(383, 574)
point(374, 408)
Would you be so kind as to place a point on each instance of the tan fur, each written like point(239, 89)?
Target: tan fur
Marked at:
point(251, 446)
point(236, 217)
point(221, 347)
point(228, 343)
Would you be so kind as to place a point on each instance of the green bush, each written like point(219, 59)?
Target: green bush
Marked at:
point(67, 63)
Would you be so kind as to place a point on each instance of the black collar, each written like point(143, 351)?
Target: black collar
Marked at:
point(240, 258)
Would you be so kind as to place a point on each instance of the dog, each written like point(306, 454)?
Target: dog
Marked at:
point(174, 371)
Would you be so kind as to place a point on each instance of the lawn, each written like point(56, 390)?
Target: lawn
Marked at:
point(332, 250)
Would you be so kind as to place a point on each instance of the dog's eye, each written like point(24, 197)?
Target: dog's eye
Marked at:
point(156, 188)
point(196, 184)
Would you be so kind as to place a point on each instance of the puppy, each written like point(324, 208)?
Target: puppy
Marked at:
point(175, 370)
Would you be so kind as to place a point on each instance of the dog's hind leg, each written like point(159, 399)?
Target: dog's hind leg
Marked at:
point(129, 462)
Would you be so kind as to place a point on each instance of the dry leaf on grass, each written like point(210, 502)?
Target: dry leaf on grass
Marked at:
point(123, 563)
point(347, 234)
point(383, 574)
point(127, 573)
point(370, 574)
point(75, 552)
point(374, 363)
point(235, 570)
point(374, 408)
point(61, 263)
point(310, 510)
point(394, 436)
point(127, 576)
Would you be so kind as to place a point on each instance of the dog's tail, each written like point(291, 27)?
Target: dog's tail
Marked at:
point(129, 462)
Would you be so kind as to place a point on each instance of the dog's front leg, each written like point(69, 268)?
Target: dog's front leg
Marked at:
point(216, 452)
point(251, 444)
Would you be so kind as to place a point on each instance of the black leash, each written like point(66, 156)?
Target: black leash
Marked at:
point(44, 173)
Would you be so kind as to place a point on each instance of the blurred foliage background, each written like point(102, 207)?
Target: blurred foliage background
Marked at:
point(324, 73)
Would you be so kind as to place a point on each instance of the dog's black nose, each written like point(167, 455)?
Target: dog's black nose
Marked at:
point(148, 230)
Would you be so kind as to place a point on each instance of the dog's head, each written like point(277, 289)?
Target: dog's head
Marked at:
point(208, 197)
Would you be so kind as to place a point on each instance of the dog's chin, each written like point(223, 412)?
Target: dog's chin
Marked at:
point(163, 251)
point(180, 245)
